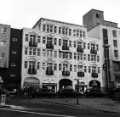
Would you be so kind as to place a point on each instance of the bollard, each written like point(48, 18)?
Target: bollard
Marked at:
point(3, 99)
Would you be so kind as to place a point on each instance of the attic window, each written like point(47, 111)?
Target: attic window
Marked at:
point(97, 15)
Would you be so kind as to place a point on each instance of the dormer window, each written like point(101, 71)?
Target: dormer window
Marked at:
point(97, 15)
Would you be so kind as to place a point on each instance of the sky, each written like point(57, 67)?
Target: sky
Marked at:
point(25, 13)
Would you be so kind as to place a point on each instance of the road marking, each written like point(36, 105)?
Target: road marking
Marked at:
point(47, 114)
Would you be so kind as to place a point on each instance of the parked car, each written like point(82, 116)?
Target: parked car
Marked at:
point(67, 92)
point(13, 92)
point(44, 92)
point(93, 92)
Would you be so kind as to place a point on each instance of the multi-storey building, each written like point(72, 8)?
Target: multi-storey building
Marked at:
point(4, 51)
point(31, 59)
point(4, 45)
point(10, 57)
point(55, 54)
point(14, 78)
point(109, 33)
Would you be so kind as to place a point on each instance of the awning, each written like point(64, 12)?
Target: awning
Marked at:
point(31, 81)
point(49, 84)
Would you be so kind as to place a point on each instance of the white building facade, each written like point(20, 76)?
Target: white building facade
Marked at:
point(55, 54)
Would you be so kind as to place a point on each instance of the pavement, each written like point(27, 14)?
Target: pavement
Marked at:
point(12, 110)
point(100, 104)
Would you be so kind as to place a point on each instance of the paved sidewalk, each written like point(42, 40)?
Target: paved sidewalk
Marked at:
point(101, 104)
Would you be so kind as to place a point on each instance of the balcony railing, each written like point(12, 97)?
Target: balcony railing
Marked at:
point(94, 75)
point(64, 47)
point(49, 46)
point(32, 71)
point(49, 72)
point(93, 51)
point(33, 44)
point(80, 49)
point(65, 73)
point(80, 74)
point(105, 41)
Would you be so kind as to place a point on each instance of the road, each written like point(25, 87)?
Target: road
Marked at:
point(6, 112)
point(53, 110)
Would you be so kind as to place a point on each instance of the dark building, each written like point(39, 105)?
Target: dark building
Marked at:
point(14, 79)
